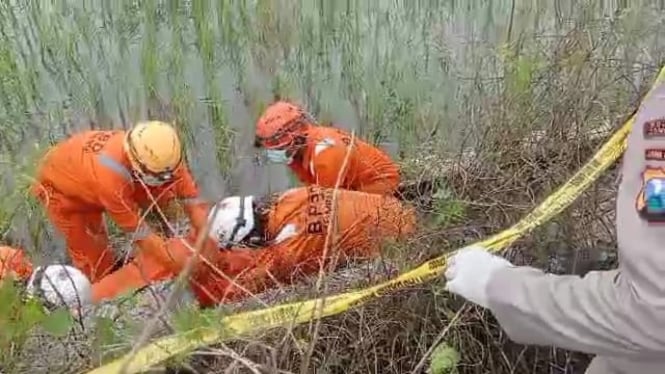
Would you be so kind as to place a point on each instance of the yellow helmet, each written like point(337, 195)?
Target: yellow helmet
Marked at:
point(154, 150)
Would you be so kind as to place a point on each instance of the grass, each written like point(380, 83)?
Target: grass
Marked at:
point(436, 77)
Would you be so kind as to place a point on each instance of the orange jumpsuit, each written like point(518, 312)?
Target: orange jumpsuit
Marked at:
point(144, 270)
point(302, 217)
point(13, 262)
point(368, 168)
point(89, 174)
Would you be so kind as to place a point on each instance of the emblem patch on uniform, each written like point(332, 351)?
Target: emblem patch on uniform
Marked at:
point(654, 128)
point(655, 154)
point(650, 202)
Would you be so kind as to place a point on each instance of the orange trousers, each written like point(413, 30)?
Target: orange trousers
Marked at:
point(142, 271)
point(84, 231)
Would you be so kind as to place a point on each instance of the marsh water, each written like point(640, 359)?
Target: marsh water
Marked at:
point(397, 72)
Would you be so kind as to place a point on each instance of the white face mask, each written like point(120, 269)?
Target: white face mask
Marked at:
point(278, 156)
point(151, 181)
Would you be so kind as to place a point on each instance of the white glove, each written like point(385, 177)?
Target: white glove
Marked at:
point(469, 272)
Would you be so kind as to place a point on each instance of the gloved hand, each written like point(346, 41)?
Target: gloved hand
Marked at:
point(469, 272)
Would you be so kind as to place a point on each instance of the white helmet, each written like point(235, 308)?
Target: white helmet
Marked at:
point(233, 219)
point(60, 285)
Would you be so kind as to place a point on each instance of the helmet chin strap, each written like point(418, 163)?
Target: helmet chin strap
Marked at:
point(256, 238)
point(240, 220)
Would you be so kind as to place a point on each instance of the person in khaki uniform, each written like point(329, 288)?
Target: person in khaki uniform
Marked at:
point(618, 315)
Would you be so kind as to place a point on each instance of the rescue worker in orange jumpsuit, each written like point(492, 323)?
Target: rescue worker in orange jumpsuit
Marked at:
point(279, 239)
point(117, 172)
point(316, 154)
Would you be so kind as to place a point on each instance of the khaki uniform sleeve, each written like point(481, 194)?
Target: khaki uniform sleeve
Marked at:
point(611, 313)
point(581, 314)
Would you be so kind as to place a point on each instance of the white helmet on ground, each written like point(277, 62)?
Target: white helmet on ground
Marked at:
point(233, 220)
point(60, 285)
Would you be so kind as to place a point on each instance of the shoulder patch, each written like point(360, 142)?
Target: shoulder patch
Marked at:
point(650, 201)
point(654, 128)
point(654, 154)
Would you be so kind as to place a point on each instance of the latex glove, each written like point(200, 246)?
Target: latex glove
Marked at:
point(469, 272)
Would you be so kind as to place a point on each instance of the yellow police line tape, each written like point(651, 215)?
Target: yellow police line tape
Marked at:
point(300, 312)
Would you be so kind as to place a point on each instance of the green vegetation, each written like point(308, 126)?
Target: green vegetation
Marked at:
point(444, 360)
point(438, 78)
point(19, 318)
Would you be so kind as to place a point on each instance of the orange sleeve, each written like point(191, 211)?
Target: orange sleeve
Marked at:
point(178, 252)
point(196, 208)
point(327, 166)
point(185, 185)
point(381, 174)
point(116, 196)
